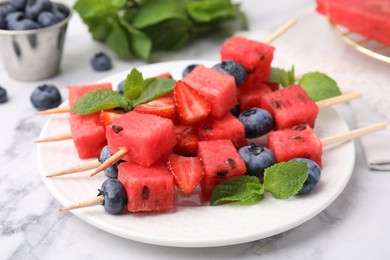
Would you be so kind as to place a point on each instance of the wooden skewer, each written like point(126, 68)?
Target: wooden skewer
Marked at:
point(353, 134)
point(87, 203)
point(56, 110)
point(79, 168)
point(110, 161)
point(338, 99)
point(55, 138)
point(280, 31)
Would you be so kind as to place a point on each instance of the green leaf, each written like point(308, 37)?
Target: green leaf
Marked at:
point(319, 86)
point(285, 179)
point(95, 8)
point(242, 190)
point(283, 77)
point(154, 88)
point(207, 10)
point(153, 12)
point(140, 43)
point(98, 100)
point(134, 84)
point(176, 34)
point(117, 40)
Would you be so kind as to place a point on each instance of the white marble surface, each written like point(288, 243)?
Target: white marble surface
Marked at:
point(354, 226)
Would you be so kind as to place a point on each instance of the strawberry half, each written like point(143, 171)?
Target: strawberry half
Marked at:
point(191, 107)
point(108, 116)
point(186, 140)
point(163, 106)
point(187, 171)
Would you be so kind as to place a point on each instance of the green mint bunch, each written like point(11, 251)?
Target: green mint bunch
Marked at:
point(137, 27)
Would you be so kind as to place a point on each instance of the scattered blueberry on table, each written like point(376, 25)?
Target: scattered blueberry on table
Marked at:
point(29, 14)
point(3, 95)
point(46, 97)
point(232, 68)
point(101, 62)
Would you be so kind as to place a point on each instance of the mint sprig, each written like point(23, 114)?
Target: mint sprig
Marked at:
point(137, 90)
point(319, 86)
point(243, 190)
point(282, 180)
point(285, 179)
point(283, 77)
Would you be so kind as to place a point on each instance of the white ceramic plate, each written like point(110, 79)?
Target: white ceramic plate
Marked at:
point(196, 225)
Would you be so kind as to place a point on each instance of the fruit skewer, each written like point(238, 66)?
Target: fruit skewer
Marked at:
point(101, 199)
point(100, 167)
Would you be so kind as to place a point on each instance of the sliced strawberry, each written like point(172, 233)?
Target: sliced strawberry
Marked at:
point(163, 106)
point(191, 107)
point(107, 116)
point(186, 141)
point(187, 171)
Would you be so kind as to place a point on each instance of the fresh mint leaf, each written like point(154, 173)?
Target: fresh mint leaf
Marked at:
point(154, 88)
point(140, 43)
point(98, 100)
point(134, 84)
point(117, 40)
point(283, 77)
point(154, 12)
point(319, 86)
point(139, 90)
point(242, 190)
point(207, 11)
point(285, 179)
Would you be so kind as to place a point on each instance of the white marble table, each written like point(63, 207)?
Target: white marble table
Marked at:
point(354, 226)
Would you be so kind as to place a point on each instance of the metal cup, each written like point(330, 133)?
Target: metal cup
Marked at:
point(34, 54)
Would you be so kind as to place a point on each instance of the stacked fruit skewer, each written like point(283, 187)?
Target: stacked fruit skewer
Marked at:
point(231, 163)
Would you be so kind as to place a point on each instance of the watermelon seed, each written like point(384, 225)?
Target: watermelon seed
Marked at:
point(222, 173)
point(117, 129)
point(207, 127)
point(299, 127)
point(231, 163)
point(261, 55)
point(145, 192)
point(275, 104)
point(297, 137)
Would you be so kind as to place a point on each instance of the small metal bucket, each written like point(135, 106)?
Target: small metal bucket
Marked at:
point(34, 54)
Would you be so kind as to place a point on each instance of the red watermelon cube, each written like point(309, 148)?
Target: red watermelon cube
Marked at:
point(88, 134)
point(148, 138)
point(369, 18)
point(227, 127)
point(75, 92)
point(147, 188)
point(251, 97)
point(254, 56)
point(290, 106)
point(217, 87)
point(221, 162)
point(299, 141)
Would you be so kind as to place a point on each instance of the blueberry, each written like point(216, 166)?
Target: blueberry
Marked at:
point(18, 4)
point(112, 171)
point(188, 69)
point(45, 97)
point(60, 15)
point(25, 24)
point(257, 159)
point(6, 9)
point(114, 196)
point(3, 23)
point(314, 174)
point(3, 95)
point(14, 17)
point(35, 7)
point(256, 121)
point(121, 87)
point(101, 62)
point(46, 19)
point(232, 68)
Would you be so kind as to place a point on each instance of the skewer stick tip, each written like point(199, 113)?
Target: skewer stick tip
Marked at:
point(79, 168)
point(284, 28)
point(87, 203)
